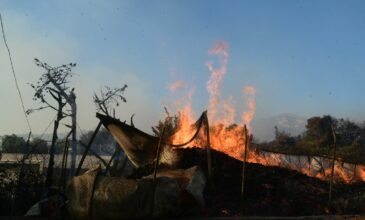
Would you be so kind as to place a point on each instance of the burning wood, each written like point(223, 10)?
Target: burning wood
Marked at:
point(141, 149)
point(270, 191)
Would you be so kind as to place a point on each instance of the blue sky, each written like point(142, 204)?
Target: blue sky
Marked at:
point(303, 57)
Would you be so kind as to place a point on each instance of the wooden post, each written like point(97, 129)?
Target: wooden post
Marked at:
point(74, 136)
point(116, 159)
point(243, 168)
point(333, 166)
point(88, 147)
point(209, 156)
point(65, 167)
point(155, 168)
point(107, 168)
point(62, 181)
point(95, 154)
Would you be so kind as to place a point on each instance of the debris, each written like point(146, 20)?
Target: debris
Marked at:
point(178, 193)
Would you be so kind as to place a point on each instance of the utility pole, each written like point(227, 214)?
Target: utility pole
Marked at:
point(74, 135)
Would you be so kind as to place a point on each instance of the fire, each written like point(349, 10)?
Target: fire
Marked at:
point(229, 111)
point(185, 112)
point(229, 138)
point(361, 173)
point(216, 77)
point(247, 117)
point(225, 135)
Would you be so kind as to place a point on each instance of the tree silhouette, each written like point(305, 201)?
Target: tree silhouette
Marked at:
point(108, 98)
point(52, 91)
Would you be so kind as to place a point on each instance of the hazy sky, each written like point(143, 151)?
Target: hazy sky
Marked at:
point(303, 57)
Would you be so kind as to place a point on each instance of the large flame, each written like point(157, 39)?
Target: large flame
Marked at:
point(229, 138)
point(183, 106)
point(216, 77)
point(225, 135)
point(247, 117)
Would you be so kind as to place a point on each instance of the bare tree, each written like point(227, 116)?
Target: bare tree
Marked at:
point(53, 92)
point(105, 102)
point(108, 98)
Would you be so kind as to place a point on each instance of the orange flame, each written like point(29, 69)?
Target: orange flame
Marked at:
point(216, 77)
point(361, 173)
point(227, 137)
point(229, 112)
point(183, 107)
point(248, 116)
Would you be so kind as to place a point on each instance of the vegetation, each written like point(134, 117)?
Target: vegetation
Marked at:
point(52, 91)
point(109, 98)
point(317, 139)
point(15, 144)
point(171, 123)
point(103, 143)
point(20, 188)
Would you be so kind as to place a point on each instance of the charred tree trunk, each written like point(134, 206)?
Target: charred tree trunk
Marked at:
point(88, 148)
point(157, 161)
point(62, 182)
point(209, 157)
point(49, 179)
point(73, 141)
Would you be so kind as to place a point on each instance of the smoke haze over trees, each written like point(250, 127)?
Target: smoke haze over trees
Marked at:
point(317, 139)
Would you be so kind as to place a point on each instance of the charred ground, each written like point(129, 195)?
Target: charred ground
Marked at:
point(270, 191)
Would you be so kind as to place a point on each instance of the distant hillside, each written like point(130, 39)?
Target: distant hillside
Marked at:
point(264, 129)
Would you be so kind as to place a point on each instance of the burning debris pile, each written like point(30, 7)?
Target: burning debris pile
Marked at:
point(213, 170)
point(194, 181)
point(270, 191)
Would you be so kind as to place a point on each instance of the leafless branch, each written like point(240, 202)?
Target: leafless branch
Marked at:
point(109, 98)
point(53, 82)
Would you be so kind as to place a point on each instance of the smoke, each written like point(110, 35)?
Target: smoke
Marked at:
point(177, 85)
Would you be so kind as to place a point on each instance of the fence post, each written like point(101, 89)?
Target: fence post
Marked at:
point(333, 166)
point(154, 184)
point(243, 168)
